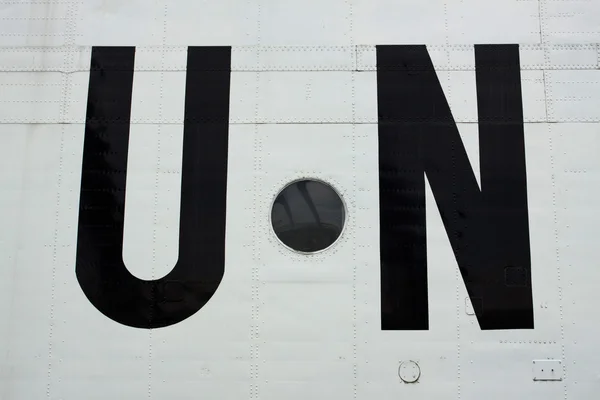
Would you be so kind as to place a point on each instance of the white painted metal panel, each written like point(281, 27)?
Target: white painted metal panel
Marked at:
point(570, 21)
point(33, 23)
point(303, 104)
point(573, 95)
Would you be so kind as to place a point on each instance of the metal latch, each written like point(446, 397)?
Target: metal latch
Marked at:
point(547, 370)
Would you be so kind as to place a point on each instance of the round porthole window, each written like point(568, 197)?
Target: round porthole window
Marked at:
point(308, 216)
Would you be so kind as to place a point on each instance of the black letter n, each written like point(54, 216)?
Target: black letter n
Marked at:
point(488, 228)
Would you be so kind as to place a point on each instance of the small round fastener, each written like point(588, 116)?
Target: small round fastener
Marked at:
point(409, 371)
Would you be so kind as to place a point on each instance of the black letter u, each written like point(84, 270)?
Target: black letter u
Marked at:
point(100, 270)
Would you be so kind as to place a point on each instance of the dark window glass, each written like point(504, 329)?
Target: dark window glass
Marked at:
point(308, 216)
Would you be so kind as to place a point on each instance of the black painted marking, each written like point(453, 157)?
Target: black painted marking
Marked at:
point(100, 270)
point(488, 228)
